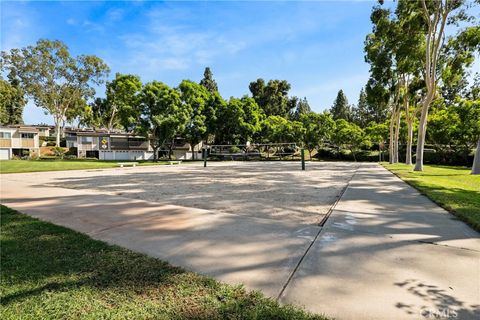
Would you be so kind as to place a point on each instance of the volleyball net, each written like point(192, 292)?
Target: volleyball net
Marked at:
point(251, 151)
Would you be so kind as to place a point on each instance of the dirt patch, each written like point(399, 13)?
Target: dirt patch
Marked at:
point(278, 190)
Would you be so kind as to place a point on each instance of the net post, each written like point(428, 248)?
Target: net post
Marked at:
point(204, 154)
point(302, 154)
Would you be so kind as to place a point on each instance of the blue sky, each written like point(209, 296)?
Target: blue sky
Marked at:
point(316, 46)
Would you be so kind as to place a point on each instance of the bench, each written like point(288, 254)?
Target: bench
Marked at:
point(175, 162)
point(123, 164)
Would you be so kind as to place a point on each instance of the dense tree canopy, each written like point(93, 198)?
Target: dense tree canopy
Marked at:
point(195, 97)
point(163, 116)
point(318, 129)
point(122, 97)
point(272, 97)
point(12, 101)
point(238, 121)
point(418, 74)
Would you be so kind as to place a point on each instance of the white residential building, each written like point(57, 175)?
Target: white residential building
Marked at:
point(18, 141)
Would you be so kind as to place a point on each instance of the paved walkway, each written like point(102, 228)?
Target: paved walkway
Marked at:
point(385, 252)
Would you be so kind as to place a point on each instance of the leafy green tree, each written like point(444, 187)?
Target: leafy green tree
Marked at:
point(272, 97)
point(238, 121)
point(318, 128)
point(443, 124)
point(382, 88)
point(122, 94)
point(474, 96)
point(456, 58)
point(360, 113)
point(163, 116)
point(298, 108)
point(378, 54)
point(73, 113)
point(340, 108)
point(468, 132)
point(214, 105)
point(195, 97)
point(12, 101)
point(436, 14)
point(277, 129)
point(377, 133)
point(96, 114)
point(350, 136)
point(53, 78)
point(208, 82)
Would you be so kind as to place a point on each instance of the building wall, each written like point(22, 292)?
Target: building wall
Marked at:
point(87, 146)
point(10, 145)
point(19, 142)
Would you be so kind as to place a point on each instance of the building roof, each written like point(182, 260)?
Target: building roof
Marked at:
point(27, 130)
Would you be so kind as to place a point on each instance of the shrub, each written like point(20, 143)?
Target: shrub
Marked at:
point(234, 149)
point(70, 157)
point(58, 152)
point(72, 151)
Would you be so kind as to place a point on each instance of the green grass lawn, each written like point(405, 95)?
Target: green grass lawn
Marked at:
point(50, 272)
point(16, 166)
point(454, 188)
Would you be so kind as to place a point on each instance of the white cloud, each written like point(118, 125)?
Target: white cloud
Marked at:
point(175, 46)
point(71, 21)
point(115, 14)
point(93, 26)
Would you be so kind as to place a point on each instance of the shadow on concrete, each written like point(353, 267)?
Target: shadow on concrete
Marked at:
point(45, 262)
point(439, 302)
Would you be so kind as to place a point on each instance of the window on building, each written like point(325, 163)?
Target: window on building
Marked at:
point(5, 135)
point(26, 135)
point(87, 140)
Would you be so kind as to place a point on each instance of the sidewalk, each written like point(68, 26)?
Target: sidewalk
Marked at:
point(388, 252)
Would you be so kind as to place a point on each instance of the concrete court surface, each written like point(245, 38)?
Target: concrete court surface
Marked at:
point(386, 252)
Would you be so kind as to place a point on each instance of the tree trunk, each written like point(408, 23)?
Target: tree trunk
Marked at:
point(476, 160)
point(353, 153)
point(408, 156)
point(192, 146)
point(155, 154)
point(62, 130)
point(422, 130)
point(110, 122)
point(310, 154)
point(390, 146)
point(170, 148)
point(396, 136)
point(57, 132)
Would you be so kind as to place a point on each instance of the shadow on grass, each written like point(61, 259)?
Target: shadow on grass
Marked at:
point(464, 204)
point(40, 262)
